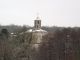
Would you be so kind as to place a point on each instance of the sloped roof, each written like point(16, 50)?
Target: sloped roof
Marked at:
point(39, 30)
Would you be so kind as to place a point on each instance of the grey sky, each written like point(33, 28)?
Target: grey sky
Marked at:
point(51, 12)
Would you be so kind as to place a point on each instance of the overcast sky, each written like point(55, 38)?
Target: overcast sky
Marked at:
point(51, 12)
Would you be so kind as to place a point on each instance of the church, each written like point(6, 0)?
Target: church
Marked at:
point(37, 33)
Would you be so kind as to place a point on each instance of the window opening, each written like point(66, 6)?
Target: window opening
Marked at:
point(38, 22)
point(37, 26)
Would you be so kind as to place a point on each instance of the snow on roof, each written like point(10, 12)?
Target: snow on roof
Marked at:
point(30, 30)
point(12, 33)
point(15, 35)
point(39, 30)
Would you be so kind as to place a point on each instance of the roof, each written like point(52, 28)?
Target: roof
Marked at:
point(39, 30)
point(15, 35)
point(12, 33)
point(30, 30)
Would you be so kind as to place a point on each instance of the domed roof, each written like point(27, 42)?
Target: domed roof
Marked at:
point(30, 30)
point(39, 30)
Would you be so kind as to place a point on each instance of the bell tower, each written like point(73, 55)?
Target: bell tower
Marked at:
point(37, 23)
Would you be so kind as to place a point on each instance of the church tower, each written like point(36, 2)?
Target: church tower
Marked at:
point(37, 23)
point(37, 33)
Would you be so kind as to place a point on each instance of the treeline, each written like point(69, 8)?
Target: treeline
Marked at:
point(15, 47)
point(12, 28)
point(62, 45)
